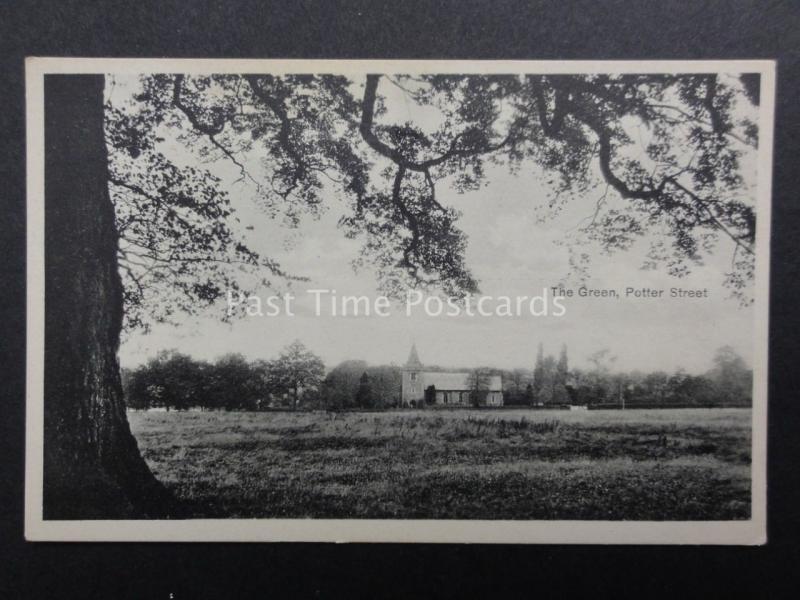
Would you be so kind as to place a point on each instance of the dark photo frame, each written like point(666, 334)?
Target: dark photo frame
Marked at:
point(465, 30)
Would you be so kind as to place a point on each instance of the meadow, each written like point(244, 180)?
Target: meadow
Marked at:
point(681, 464)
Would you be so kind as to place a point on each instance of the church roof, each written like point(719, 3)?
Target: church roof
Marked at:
point(413, 358)
point(457, 382)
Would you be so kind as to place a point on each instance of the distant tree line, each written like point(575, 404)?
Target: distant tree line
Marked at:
point(297, 378)
point(175, 381)
point(551, 382)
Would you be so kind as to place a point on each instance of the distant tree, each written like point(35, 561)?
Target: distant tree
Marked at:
point(686, 389)
point(430, 395)
point(235, 383)
point(265, 382)
point(580, 387)
point(538, 373)
point(562, 367)
point(547, 394)
point(340, 385)
point(364, 397)
point(602, 360)
point(134, 388)
point(529, 394)
point(599, 376)
point(188, 378)
point(731, 377)
point(170, 380)
point(478, 382)
point(656, 386)
point(514, 384)
point(619, 388)
point(297, 369)
point(386, 382)
point(560, 395)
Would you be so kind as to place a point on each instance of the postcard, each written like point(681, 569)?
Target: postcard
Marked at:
point(398, 301)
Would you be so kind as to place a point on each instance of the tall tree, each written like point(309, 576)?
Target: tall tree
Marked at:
point(298, 369)
point(538, 374)
point(732, 378)
point(562, 367)
point(92, 465)
point(560, 395)
point(547, 394)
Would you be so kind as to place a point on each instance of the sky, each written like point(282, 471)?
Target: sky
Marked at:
point(515, 248)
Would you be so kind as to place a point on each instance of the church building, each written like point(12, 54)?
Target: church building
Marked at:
point(445, 387)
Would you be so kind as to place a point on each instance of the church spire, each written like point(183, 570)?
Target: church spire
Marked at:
point(413, 358)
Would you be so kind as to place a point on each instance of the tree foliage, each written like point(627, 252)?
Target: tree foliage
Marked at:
point(343, 386)
point(297, 370)
point(364, 396)
point(176, 381)
point(727, 383)
point(666, 152)
point(478, 382)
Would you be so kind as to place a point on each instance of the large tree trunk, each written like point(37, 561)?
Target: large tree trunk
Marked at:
point(92, 464)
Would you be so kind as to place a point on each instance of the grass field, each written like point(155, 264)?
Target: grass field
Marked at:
point(683, 464)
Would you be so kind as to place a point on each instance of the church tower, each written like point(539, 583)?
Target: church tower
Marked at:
point(412, 378)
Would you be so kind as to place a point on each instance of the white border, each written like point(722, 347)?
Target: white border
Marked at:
point(751, 532)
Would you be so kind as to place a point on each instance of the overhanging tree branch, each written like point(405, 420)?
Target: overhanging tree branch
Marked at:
point(210, 131)
point(374, 142)
point(284, 133)
point(653, 192)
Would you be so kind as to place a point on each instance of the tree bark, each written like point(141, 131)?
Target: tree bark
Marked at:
point(92, 464)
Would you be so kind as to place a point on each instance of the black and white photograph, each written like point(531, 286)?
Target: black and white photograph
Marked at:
point(423, 301)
